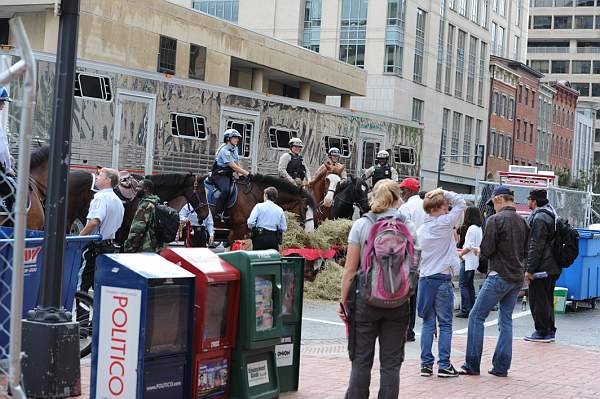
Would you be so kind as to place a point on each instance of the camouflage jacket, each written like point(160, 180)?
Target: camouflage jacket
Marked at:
point(142, 235)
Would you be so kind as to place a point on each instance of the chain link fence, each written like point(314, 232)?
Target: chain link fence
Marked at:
point(574, 206)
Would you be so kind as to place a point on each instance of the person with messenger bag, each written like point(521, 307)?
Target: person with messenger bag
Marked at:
point(379, 277)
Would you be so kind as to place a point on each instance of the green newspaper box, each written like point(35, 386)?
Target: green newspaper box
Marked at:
point(254, 372)
point(288, 350)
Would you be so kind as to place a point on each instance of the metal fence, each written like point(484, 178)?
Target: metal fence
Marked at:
point(575, 206)
point(13, 212)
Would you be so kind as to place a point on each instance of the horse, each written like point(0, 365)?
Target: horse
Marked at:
point(38, 181)
point(176, 189)
point(353, 191)
point(323, 187)
point(250, 192)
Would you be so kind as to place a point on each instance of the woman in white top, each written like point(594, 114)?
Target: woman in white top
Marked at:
point(470, 260)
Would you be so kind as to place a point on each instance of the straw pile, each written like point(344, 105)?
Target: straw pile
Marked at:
point(335, 232)
point(296, 237)
point(327, 285)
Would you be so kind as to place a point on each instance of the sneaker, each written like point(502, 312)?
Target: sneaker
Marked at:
point(447, 372)
point(551, 337)
point(497, 373)
point(465, 371)
point(537, 337)
point(426, 371)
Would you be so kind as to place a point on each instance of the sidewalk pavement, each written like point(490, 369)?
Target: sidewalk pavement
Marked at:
point(548, 371)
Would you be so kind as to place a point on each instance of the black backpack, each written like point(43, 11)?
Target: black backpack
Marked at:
point(565, 246)
point(167, 223)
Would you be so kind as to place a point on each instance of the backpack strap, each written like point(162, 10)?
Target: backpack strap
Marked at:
point(553, 215)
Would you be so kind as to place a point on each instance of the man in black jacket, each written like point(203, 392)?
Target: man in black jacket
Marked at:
point(541, 259)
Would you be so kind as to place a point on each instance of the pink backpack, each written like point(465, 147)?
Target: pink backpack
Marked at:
point(387, 273)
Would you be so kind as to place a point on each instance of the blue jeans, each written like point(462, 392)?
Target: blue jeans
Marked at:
point(494, 290)
point(467, 289)
point(443, 304)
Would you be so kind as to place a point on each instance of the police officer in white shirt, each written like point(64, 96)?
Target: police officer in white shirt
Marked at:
point(267, 222)
point(201, 233)
point(105, 218)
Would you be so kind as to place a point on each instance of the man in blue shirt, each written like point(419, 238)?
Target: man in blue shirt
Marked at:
point(267, 222)
point(226, 164)
point(201, 233)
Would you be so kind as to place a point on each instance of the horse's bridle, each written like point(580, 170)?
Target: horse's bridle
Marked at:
point(196, 195)
point(362, 204)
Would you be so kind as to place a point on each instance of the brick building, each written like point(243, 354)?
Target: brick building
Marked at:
point(501, 116)
point(526, 119)
point(564, 106)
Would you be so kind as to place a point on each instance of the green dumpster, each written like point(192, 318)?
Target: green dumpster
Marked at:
point(254, 373)
point(288, 350)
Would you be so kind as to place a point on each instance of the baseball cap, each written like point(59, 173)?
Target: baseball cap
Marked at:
point(410, 184)
point(500, 190)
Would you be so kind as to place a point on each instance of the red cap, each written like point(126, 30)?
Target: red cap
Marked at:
point(410, 184)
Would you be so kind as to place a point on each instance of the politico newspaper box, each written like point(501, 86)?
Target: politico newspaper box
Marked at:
point(216, 313)
point(143, 324)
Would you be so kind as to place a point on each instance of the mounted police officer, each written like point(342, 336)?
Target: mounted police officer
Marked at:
point(332, 164)
point(291, 165)
point(226, 164)
point(381, 170)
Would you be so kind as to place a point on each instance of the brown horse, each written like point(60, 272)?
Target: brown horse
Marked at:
point(250, 192)
point(323, 187)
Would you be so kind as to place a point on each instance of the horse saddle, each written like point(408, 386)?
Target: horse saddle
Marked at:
point(128, 186)
point(213, 193)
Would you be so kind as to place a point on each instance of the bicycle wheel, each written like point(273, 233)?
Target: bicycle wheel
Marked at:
point(83, 311)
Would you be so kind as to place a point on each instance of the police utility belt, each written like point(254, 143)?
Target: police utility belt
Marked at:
point(104, 247)
point(259, 231)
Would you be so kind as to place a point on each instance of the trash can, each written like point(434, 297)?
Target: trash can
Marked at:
point(560, 299)
point(582, 278)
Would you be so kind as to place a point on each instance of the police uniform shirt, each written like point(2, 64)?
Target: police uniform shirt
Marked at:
point(187, 212)
point(107, 208)
point(227, 154)
point(267, 215)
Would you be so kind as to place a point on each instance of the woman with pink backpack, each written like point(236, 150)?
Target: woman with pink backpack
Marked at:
point(379, 277)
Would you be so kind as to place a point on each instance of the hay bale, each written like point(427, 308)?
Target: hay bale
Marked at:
point(335, 232)
point(296, 237)
point(327, 284)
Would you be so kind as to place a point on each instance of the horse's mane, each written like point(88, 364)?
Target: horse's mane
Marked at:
point(284, 185)
point(169, 179)
point(39, 156)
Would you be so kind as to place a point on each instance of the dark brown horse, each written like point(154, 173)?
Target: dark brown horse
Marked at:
point(250, 192)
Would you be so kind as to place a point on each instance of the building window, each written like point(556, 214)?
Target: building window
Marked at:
point(495, 103)
point(492, 143)
point(509, 148)
point(518, 126)
point(440, 56)
point(478, 124)
point(245, 129)
point(452, 4)
point(531, 133)
point(353, 32)
point(279, 137)
point(501, 7)
point(518, 12)
point(188, 126)
point(225, 9)
point(500, 44)
point(473, 42)
point(455, 135)
point(563, 3)
point(311, 36)
point(542, 22)
point(563, 22)
point(493, 38)
point(341, 143)
point(484, 13)
point(596, 135)
point(445, 120)
point(475, 11)
point(91, 86)
point(449, 52)
point(167, 52)
point(581, 67)
point(596, 66)
point(501, 148)
point(516, 48)
point(526, 96)
point(584, 22)
point(393, 59)
point(582, 88)
point(394, 37)
point(542, 66)
point(197, 62)
point(584, 3)
point(510, 108)
point(404, 155)
point(419, 46)
point(504, 107)
point(460, 64)
point(462, 7)
point(560, 66)
point(467, 140)
point(595, 89)
point(542, 3)
point(417, 110)
point(532, 99)
point(482, 58)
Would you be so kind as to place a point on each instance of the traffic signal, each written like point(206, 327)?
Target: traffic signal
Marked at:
point(479, 155)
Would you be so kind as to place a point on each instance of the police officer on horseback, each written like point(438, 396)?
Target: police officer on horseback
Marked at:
point(381, 170)
point(332, 164)
point(226, 164)
point(291, 164)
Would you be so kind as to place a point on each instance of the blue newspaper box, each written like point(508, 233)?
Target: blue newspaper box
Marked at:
point(143, 328)
point(582, 278)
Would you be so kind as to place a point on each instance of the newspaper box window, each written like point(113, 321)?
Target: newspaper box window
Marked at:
point(143, 326)
point(216, 316)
